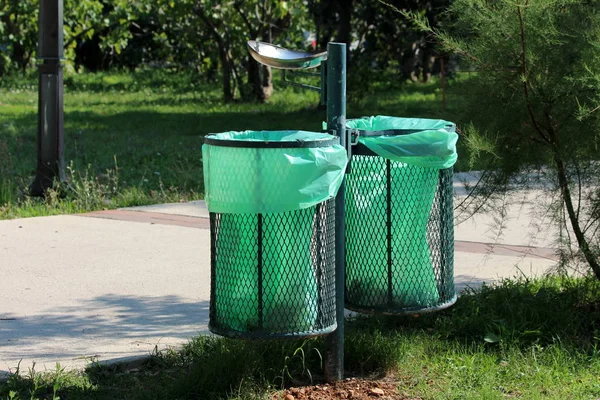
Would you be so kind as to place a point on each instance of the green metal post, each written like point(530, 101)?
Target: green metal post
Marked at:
point(336, 125)
point(50, 154)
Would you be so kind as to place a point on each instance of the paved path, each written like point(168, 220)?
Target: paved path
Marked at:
point(122, 283)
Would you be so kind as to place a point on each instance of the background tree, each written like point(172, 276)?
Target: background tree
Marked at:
point(388, 41)
point(106, 22)
point(378, 40)
point(332, 21)
point(209, 37)
point(535, 104)
point(18, 30)
point(97, 32)
point(266, 21)
point(218, 32)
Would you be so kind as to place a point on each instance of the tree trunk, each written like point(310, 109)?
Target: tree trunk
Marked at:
point(19, 56)
point(428, 60)
point(267, 82)
point(345, 27)
point(565, 191)
point(260, 80)
point(253, 73)
point(228, 90)
point(326, 24)
point(409, 62)
point(229, 71)
point(238, 79)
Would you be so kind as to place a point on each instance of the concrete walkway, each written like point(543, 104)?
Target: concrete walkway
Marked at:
point(122, 283)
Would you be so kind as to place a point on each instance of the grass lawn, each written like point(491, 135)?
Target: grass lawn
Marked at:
point(525, 339)
point(133, 139)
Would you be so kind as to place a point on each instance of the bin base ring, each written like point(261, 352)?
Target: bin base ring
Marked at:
point(232, 334)
point(401, 311)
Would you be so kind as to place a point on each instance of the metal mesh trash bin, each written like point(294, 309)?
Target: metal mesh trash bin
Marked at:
point(399, 216)
point(272, 220)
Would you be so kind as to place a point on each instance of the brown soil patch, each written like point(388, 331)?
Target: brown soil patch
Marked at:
point(348, 389)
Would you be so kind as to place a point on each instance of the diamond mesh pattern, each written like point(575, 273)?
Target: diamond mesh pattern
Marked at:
point(273, 274)
point(399, 237)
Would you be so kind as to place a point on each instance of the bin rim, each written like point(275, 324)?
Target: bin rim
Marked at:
point(389, 132)
point(321, 140)
point(449, 127)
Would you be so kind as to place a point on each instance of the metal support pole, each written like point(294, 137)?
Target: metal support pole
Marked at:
point(50, 157)
point(336, 124)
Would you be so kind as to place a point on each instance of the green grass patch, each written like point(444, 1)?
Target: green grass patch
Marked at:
point(520, 339)
point(151, 123)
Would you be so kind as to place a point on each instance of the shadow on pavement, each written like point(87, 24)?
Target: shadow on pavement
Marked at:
point(462, 282)
point(108, 318)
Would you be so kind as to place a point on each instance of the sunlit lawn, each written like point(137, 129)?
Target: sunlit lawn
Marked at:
point(146, 129)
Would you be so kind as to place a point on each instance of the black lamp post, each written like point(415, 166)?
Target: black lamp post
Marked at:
point(50, 151)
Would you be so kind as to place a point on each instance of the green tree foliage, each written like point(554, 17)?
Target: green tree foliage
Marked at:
point(332, 20)
point(18, 33)
point(108, 21)
point(210, 36)
point(83, 19)
point(535, 103)
point(379, 40)
point(231, 24)
point(392, 41)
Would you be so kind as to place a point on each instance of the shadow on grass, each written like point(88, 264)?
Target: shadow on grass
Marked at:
point(164, 125)
point(509, 315)
point(164, 143)
point(153, 149)
point(148, 143)
point(518, 314)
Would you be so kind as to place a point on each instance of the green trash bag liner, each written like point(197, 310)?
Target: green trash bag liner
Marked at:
point(382, 122)
point(413, 190)
point(429, 143)
point(261, 172)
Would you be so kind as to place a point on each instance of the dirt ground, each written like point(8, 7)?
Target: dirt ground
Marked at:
point(351, 388)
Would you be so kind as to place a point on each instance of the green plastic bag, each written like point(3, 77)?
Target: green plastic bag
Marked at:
point(422, 142)
point(290, 292)
point(411, 153)
point(413, 279)
point(259, 180)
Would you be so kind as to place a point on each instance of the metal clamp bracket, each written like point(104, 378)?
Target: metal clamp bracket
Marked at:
point(349, 144)
point(354, 135)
